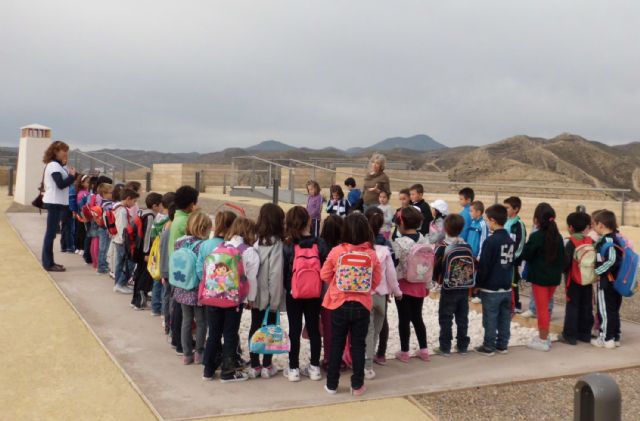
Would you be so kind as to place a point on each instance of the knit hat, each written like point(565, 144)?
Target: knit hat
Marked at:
point(441, 206)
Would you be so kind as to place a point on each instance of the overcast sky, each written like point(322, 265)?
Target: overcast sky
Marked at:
point(187, 75)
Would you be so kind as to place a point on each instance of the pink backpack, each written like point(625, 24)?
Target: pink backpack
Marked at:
point(224, 283)
point(305, 280)
point(420, 263)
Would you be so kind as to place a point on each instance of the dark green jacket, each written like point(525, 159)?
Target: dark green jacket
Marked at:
point(541, 271)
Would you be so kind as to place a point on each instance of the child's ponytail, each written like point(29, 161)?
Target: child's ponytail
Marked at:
point(545, 217)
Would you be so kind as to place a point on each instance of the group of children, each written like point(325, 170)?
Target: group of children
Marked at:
point(335, 278)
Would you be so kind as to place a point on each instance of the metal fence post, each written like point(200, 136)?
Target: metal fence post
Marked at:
point(224, 183)
point(10, 181)
point(292, 186)
point(276, 186)
point(622, 210)
point(197, 186)
point(148, 181)
point(597, 397)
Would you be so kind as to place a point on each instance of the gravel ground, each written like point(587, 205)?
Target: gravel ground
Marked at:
point(542, 400)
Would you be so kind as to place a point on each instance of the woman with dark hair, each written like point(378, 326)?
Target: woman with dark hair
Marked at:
point(544, 252)
point(56, 180)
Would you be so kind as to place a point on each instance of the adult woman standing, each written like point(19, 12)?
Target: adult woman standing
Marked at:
point(375, 181)
point(56, 181)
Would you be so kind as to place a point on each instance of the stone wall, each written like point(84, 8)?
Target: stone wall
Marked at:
point(168, 177)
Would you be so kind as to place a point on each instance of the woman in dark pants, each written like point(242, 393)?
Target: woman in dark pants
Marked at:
point(56, 181)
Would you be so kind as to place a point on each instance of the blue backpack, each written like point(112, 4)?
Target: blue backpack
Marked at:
point(182, 267)
point(626, 281)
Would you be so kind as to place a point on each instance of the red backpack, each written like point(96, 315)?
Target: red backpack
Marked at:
point(89, 202)
point(583, 264)
point(109, 219)
point(305, 279)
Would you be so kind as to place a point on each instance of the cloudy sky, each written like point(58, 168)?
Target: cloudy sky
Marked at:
point(203, 75)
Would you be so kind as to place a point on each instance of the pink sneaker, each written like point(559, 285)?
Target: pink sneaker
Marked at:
point(198, 358)
point(359, 392)
point(380, 360)
point(187, 360)
point(423, 354)
point(403, 356)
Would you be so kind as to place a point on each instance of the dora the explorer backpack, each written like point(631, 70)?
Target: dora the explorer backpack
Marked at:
point(419, 266)
point(626, 281)
point(224, 283)
point(182, 267)
point(153, 264)
point(459, 267)
point(305, 279)
point(354, 272)
point(583, 265)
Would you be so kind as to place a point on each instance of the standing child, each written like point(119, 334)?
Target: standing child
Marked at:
point(338, 204)
point(544, 252)
point(465, 197)
point(454, 270)
point(123, 265)
point(478, 232)
point(417, 192)
point(518, 231)
point(352, 271)
point(332, 235)
point(439, 211)
point(387, 213)
point(579, 267)
point(225, 321)
point(105, 191)
point(404, 196)
point(82, 189)
point(269, 294)
point(493, 283)
point(198, 230)
point(314, 206)
point(388, 287)
point(142, 281)
point(159, 223)
point(354, 194)
point(304, 255)
point(609, 259)
point(414, 290)
point(136, 186)
point(67, 221)
point(168, 203)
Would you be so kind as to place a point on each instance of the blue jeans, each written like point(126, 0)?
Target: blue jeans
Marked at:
point(124, 268)
point(532, 306)
point(496, 317)
point(156, 297)
point(103, 247)
point(54, 212)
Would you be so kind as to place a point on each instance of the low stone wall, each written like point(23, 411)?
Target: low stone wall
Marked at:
point(168, 177)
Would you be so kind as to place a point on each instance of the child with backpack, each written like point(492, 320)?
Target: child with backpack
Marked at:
point(465, 198)
point(404, 196)
point(105, 191)
point(352, 271)
point(518, 231)
point(229, 278)
point(612, 259)
point(154, 261)
point(354, 194)
point(314, 206)
point(304, 255)
point(84, 194)
point(124, 266)
point(142, 280)
point(580, 261)
point(388, 286)
point(337, 204)
point(332, 235)
point(454, 269)
point(82, 189)
point(493, 284)
point(269, 294)
point(439, 211)
point(544, 252)
point(167, 301)
point(387, 212)
point(183, 276)
point(415, 270)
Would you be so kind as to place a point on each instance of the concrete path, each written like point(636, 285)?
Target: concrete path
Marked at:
point(176, 391)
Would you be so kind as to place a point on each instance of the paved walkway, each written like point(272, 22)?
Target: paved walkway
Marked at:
point(175, 391)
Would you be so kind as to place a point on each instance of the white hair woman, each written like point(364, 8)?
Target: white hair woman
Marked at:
point(375, 181)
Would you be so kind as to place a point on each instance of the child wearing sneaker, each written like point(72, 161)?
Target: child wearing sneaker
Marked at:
point(544, 252)
point(106, 192)
point(349, 298)
point(453, 302)
point(478, 232)
point(413, 293)
point(198, 230)
point(518, 231)
point(269, 294)
point(608, 261)
point(465, 198)
point(298, 238)
point(578, 318)
point(493, 283)
point(123, 266)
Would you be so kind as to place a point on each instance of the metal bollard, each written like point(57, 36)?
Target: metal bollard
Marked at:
point(11, 181)
point(276, 186)
point(597, 398)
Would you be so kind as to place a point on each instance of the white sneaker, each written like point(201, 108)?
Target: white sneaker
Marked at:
point(330, 391)
point(618, 344)
point(476, 300)
point(268, 372)
point(528, 314)
point(538, 344)
point(312, 371)
point(601, 343)
point(293, 374)
point(122, 290)
point(369, 374)
point(254, 373)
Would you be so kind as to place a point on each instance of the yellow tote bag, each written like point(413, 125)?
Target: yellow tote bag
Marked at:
point(153, 264)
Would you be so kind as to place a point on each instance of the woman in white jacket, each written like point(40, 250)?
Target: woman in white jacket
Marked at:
point(269, 294)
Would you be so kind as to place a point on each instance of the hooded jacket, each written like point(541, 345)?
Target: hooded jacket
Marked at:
point(270, 286)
